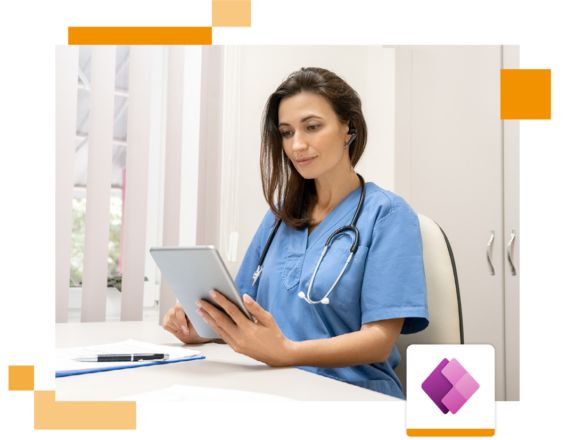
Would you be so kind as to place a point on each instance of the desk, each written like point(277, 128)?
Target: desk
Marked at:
point(222, 368)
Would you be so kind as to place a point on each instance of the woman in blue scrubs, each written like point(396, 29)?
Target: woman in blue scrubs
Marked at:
point(314, 133)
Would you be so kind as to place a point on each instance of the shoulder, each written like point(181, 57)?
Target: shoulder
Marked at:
point(267, 222)
point(382, 203)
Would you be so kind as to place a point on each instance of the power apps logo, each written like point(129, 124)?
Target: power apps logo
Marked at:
point(450, 386)
point(462, 386)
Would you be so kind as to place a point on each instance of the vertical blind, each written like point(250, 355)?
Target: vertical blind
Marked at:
point(136, 200)
point(189, 134)
point(98, 186)
point(172, 187)
point(66, 102)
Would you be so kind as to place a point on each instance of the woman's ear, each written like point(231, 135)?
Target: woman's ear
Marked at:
point(347, 125)
point(345, 131)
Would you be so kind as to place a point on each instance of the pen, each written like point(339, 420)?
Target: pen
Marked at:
point(135, 357)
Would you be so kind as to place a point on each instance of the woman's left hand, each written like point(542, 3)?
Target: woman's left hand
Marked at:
point(261, 340)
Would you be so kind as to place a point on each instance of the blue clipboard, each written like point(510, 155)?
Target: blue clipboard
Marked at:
point(123, 367)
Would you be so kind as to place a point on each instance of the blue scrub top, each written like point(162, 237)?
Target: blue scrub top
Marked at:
point(385, 279)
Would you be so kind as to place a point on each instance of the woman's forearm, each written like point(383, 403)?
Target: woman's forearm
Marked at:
point(372, 344)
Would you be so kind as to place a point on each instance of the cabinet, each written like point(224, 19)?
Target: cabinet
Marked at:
point(457, 162)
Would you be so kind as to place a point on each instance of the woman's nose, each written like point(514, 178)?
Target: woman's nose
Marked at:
point(299, 142)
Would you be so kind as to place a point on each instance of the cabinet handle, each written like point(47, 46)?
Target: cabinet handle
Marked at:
point(509, 252)
point(489, 247)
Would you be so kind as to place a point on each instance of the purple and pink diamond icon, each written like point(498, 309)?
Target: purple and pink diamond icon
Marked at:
point(450, 386)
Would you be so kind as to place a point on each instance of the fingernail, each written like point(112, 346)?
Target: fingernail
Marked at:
point(247, 298)
point(205, 321)
point(185, 330)
point(213, 293)
point(199, 312)
point(199, 304)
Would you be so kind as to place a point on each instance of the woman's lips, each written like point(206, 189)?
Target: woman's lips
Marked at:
point(305, 161)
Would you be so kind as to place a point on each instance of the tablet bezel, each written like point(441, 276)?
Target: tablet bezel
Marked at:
point(191, 272)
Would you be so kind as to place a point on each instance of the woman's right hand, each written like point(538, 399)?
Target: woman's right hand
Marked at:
point(178, 324)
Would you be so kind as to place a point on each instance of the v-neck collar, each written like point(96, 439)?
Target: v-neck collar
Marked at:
point(342, 209)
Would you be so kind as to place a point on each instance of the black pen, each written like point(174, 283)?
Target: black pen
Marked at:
point(135, 357)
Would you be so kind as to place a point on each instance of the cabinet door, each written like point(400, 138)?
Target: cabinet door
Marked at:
point(511, 161)
point(449, 159)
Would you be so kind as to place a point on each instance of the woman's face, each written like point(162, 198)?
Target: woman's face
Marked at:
point(313, 138)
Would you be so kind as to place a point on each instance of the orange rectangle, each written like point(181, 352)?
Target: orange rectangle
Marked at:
point(525, 94)
point(139, 35)
point(231, 13)
point(451, 432)
point(50, 414)
point(21, 378)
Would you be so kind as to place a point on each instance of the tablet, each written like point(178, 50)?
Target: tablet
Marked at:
point(192, 272)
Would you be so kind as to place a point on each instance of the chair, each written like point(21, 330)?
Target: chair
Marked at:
point(443, 301)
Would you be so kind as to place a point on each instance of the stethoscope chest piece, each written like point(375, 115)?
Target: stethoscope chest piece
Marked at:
point(323, 301)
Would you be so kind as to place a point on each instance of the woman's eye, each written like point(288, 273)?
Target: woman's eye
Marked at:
point(287, 133)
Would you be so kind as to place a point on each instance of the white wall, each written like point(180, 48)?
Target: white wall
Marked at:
point(378, 162)
point(368, 69)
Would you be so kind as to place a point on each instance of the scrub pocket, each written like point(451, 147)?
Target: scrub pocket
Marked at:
point(347, 292)
point(292, 272)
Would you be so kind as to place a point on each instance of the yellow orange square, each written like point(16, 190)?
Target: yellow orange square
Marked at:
point(525, 94)
point(21, 377)
point(231, 13)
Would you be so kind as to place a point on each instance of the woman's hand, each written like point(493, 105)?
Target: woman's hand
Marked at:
point(261, 340)
point(178, 324)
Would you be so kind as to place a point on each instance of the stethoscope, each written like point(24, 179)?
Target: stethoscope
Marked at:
point(352, 250)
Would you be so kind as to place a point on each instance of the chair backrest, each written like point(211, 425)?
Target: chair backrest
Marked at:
point(443, 301)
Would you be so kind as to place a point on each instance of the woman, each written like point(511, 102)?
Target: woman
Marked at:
point(314, 133)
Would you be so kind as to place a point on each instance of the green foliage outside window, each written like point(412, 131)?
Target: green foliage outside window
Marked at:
point(78, 232)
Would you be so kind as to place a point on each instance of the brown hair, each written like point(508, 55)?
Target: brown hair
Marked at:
point(280, 179)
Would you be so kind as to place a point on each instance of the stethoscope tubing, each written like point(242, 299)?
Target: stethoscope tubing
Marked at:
point(352, 250)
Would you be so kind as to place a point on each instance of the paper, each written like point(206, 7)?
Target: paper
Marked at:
point(65, 364)
point(201, 394)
